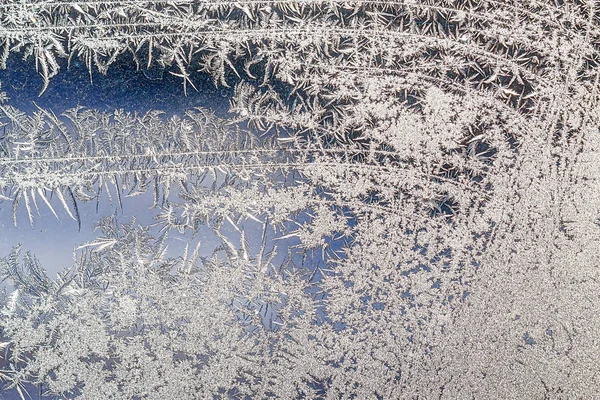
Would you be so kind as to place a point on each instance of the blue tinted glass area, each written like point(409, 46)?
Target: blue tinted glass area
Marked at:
point(124, 86)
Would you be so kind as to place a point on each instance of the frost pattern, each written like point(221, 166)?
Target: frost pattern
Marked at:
point(434, 162)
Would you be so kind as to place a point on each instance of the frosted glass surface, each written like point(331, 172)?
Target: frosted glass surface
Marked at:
point(299, 199)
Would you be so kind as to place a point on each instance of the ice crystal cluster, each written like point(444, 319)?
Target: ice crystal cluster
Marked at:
point(406, 195)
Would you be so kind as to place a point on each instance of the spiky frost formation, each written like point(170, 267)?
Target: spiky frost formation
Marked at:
point(440, 156)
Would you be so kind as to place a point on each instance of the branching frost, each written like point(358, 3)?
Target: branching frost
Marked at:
point(424, 175)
